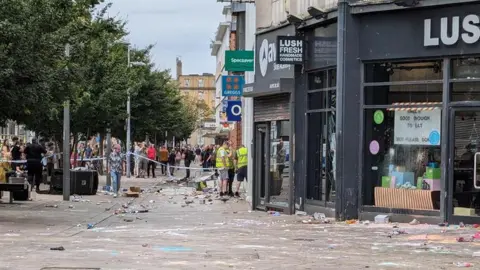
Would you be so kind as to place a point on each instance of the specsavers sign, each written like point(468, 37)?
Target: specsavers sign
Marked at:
point(417, 127)
point(239, 61)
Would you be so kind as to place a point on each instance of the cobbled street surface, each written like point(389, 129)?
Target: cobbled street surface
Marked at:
point(214, 235)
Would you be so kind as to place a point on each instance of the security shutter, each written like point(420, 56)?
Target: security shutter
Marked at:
point(271, 108)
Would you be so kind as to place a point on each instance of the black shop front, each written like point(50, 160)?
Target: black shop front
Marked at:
point(418, 114)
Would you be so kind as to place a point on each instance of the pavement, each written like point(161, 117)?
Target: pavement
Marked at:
point(180, 232)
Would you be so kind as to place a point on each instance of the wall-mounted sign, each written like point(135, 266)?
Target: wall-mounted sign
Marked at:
point(239, 61)
point(209, 125)
point(267, 59)
point(290, 50)
point(234, 111)
point(452, 30)
point(417, 127)
point(232, 86)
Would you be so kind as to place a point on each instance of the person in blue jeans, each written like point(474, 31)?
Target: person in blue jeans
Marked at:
point(116, 161)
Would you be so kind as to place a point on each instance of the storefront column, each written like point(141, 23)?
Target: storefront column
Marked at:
point(300, 174)
point(347, 118)
point(444, 138)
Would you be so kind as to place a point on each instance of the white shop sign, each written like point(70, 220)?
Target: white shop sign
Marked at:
point(417, 127)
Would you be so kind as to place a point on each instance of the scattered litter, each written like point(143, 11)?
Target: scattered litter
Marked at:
point(382, 219)
point(476, 226)
point(51, 206)
point(351, 221)
point(60, 248)
point(300, 213)
point(142, 211)
point(128, 219)
point(145, 245)
point(476, 254)
point(388, 264)
point(202, 201)
point(274, 213)
point(444, 224)
point(169, 249)
point(70, 206)
point(464, 239)
point(414, 222)
point(319, 216)
point(463, 264)
point(366, 222)
point(461, 225)
point(151, 201)
point(90, 226)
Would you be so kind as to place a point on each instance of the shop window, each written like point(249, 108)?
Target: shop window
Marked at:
point(401, 152)
point(322, 79)
point(200, 83)
point(465, 77)
point(465, 91)
point(403, 71)
point(321, 166)
point(322, 100)
point(466, 68)
point(279, 166)
point(392, 94)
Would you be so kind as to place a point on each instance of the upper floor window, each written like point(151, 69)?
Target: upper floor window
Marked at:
point(187, 82)
point(200, 83)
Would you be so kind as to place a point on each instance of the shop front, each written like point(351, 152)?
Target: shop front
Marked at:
point(420, 112)
point(315, 120)
point(271, 92)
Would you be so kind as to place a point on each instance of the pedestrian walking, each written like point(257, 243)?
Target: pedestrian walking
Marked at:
point(116, 168)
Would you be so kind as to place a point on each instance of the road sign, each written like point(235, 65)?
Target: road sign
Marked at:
point(234, 111)
point(232, 85)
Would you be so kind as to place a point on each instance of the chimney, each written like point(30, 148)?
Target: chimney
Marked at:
point(179, 67)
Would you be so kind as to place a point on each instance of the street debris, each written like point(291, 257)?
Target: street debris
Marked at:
point(60, 248)
point(90, 226)
point(51, 206)
point(382, 219)
point(128, 219)
point(414, 222)
point(463, 264)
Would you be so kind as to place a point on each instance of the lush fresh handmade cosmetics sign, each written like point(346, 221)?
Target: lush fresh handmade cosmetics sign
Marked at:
point(417, 127)
point(232, 85)
point(290, 50)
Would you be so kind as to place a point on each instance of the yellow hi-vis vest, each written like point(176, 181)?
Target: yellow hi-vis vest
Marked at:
point(218, 159)
point(242, 157)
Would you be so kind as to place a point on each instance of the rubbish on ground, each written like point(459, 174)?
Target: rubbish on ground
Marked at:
point(463, 264)
point(90, 226)
point(476, 235)
point(51, 206)
point(461, 225)
point(414, 222)
point(388, 264)
point(476, 226)
point(300, 213)
point(60, 248)
point(133, 192)
point(444, 224)
point(173, 248)
point(476, 254)
point(145, 245)
point(319, 216)
point(274, 213)
point(151, 201)
point(70, 206)
point(201, 201)
point(142, 211)
point(366, 222)
point(351, 221)
point(382, 219)
point(128, 219)
point(188, 201)
point(463, 239)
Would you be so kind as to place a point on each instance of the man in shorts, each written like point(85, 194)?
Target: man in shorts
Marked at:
point(222, 164)
point(241, 160)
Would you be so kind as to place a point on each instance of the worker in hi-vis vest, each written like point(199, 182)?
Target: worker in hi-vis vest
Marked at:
point(241, 160)
point(222, 163)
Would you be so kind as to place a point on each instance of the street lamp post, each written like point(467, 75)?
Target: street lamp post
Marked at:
point(129, 65)
point(66, 139)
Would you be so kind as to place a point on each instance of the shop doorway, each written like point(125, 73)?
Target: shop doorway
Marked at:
point(261, 165)
point(463, 169)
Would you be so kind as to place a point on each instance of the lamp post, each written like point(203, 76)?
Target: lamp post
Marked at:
point(66, 139)
point(129, 65)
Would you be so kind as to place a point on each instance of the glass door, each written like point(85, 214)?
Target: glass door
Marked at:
point(463, 178)
point(261, 165)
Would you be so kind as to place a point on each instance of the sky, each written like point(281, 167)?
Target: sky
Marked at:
point(180, 28)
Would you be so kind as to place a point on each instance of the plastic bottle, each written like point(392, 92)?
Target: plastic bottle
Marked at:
point(463, 264)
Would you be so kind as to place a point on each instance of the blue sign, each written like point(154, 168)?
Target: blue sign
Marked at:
point(434, 137)
point(232, 85)
point(234, 111)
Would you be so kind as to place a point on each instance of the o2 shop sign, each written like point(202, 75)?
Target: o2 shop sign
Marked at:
point(234, 111)
point(452, 30)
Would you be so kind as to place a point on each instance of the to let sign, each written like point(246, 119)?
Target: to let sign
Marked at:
point(290, 50)
point(239, 61)
point(232, 86)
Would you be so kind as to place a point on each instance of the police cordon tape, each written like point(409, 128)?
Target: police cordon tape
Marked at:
point(168, 165)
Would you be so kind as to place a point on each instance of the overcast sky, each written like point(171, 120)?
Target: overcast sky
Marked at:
point(176, 28)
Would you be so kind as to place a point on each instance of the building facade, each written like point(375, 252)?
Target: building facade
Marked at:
point(199, 90)
point(380, 117)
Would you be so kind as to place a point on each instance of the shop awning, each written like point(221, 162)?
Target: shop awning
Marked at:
point(417, 106)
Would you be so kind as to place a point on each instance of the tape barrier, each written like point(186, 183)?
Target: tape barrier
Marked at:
point(161, 164)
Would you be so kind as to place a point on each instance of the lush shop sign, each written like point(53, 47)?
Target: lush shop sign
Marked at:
point(290, 50)
point(451, 30)
point(239, 61)
point(421, 127)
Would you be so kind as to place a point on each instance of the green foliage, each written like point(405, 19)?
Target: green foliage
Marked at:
point(36, 76)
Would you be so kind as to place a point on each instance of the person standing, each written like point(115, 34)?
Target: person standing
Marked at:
point(152, 157)
point(222, 164)
point(116, 168)
point(33, 154)
point(164, 159)
point(189, 156)
point(231, 169)
point(178, 158)
point(241, 160)
point(172, 161)
point(16, 153)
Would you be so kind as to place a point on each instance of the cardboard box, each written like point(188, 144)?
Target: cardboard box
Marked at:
point(402, 178)
point(386, 181)
point(434, 184)
point(462, 211)
point(433, 173)
point(407, 198)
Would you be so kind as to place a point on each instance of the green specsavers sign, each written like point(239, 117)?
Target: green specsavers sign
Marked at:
point(239, 61)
